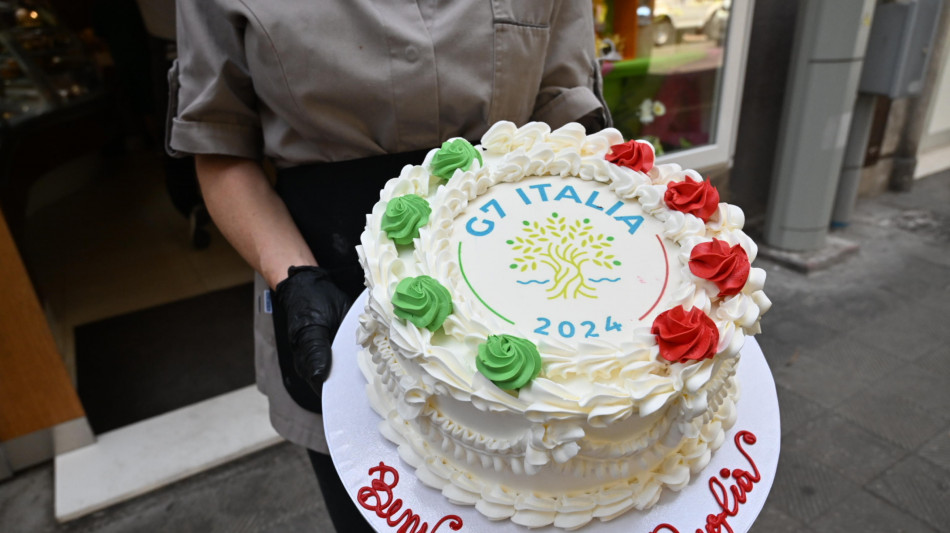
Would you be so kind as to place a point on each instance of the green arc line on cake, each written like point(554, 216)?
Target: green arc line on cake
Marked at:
point(480, 299)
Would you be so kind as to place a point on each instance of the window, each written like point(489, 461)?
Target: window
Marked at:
point(673, 73)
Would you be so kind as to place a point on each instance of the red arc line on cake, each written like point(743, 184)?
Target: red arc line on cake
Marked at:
point(666, 279)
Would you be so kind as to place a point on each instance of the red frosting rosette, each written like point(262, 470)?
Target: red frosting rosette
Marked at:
point(637, 155)
point(727, 267)
point(697, 198)
point(685, 335)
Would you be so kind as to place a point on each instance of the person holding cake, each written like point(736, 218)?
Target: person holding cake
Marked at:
point(338, 97)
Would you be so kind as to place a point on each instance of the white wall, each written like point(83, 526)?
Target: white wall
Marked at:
point(939, 121)
point(934, 149)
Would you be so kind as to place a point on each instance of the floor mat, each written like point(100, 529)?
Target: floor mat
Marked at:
point(142, 364)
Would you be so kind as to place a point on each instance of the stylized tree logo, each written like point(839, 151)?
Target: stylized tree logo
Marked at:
point(568, 249)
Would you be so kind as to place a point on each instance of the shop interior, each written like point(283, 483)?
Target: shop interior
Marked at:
point(111, 229)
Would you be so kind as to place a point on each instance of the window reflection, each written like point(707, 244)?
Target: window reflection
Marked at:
point(662, 63)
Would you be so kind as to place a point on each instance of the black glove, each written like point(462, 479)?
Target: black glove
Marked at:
point(314, 308)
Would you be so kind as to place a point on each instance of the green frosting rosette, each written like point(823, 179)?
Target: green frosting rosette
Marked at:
point(457, 153)
point(404, 216)
point(423, 301)
point(509, 361)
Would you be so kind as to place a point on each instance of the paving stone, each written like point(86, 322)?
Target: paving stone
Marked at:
point(267, 487)
point(867, 229)
point(777, 279)
point(804, 489)
point(848, 311)
point(917, 277)
point(892, 418)
point(796, 331)
point(165, 517)
point(305, 519)
point(931, 323)
point(844, 447)
point(772, 520)
point(917, 487)
point(937, 451)
point(26, 501)
point(836, 250)
point(819, 380)
point(920, 385)
point(795, 410)
point(862, 362)
point(866, 513)
point(936, 361)
point(937, 303)
point(931, 193)
point(940, 253)
point(925, 224)
point(815, 305)
point(898, 333)
point(778, 353)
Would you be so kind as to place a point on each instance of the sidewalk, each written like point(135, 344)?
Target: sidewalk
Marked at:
point(862, 365)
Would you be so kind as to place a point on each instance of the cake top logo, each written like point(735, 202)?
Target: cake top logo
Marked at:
point(566, 251)
point(570, 258)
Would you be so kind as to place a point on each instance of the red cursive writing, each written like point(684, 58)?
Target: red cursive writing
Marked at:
point(729, 499)
point(378, 497)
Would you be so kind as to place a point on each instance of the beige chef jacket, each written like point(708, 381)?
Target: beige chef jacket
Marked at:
point(304, 81)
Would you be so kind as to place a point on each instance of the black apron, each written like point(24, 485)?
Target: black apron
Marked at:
point(329, 203)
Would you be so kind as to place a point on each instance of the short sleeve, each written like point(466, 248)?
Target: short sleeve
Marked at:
point(570, 84)
point(212, 105)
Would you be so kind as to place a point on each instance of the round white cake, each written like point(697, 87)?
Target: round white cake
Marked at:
point(553, 323)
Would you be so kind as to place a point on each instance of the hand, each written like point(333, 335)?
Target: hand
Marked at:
point(314, 307)
point(595, 121)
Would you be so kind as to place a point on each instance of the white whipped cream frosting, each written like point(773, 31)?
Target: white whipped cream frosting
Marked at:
point(606, 425)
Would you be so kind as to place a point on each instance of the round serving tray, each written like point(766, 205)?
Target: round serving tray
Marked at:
point(731, 490)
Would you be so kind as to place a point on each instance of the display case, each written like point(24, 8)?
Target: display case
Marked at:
point(54, 105)
point(43, 66)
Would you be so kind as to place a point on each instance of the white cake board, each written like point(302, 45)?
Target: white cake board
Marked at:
point(356, 445)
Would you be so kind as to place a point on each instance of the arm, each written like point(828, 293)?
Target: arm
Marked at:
point(251, 216)
point(216, 118)
point(214, 115)
point(256, 222)
point(570, 84)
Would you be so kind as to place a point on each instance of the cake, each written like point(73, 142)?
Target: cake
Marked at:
point(553, 323)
